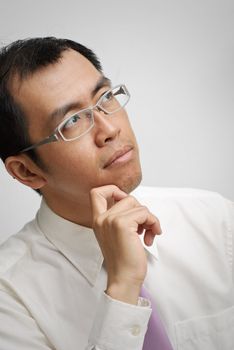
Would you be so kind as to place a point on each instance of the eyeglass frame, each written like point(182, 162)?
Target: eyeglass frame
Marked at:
point(54, 136)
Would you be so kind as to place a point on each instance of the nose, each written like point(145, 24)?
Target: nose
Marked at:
point(105, 130)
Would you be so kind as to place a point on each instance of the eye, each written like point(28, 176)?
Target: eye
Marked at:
point(107, 97)
point(72, 121)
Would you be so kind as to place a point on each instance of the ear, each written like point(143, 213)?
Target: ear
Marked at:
point(23, 169)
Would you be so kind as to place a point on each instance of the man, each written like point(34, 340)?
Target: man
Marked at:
point(74, 278)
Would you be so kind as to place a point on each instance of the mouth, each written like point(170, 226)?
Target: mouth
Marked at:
point(121, 156)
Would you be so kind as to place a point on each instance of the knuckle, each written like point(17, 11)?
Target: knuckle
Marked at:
point(108, 220)
point(144, 207)
point(132, 200)
point(155, 217)
point(97, 222)
point(93, 191)
point(117, 222)
point(111, 223)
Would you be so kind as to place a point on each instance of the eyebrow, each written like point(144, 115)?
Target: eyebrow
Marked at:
point(60, 112)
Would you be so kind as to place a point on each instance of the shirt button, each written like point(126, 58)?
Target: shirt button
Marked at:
point(136, 329)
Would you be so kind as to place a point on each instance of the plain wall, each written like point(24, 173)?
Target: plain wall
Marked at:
point(177, 60)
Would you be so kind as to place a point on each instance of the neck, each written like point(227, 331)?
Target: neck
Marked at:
point(75, 210)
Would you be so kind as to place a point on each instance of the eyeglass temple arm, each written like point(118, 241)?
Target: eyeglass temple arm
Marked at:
point(49, 139)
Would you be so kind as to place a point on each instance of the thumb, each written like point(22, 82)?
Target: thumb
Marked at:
point(102, 198)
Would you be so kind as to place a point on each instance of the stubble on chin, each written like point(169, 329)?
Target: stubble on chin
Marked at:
point(126, 178)
point(130, 182)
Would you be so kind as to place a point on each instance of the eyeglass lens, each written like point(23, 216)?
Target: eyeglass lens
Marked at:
point(79, 123)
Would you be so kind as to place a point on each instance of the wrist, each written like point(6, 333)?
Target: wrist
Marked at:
point(125, 292)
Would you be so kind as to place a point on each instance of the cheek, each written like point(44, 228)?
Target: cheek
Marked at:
point(70, 162)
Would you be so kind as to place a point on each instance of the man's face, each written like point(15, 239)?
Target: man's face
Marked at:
point(73, 168)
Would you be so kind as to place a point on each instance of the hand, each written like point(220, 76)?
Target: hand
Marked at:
point(118, 219)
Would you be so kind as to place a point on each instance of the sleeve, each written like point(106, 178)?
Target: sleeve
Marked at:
point(118, 325)
point(18, 330)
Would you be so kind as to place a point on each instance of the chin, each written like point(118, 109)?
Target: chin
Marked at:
point(127, 178)
point(129, 183)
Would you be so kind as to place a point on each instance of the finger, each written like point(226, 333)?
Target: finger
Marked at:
point(149, 237)
point(143, 220)
point(140, 229)
point(159, 230)
point(118, 195)
point(100, 196)
point(124, 205)
point(151, 224)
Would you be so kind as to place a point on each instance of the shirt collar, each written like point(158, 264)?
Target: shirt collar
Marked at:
point(77, 243)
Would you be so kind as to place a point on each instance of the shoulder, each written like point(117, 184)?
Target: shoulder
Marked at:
point(14, 248)
point(174, 192)
point(18, 250)
point(204, 212)
point(192, 218)
point(188, 199)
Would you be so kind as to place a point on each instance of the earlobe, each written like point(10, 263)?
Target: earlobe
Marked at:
point(25, 171)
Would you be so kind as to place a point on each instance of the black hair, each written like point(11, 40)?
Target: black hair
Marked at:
point(23, 58)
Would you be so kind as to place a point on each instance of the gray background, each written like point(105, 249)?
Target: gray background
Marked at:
point(177, 59)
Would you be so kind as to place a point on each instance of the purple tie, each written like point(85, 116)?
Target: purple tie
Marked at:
point(155, 337)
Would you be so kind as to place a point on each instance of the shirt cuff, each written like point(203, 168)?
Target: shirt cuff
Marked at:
point(119, 325)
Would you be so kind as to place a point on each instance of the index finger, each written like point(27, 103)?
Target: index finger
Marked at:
point(100, 197)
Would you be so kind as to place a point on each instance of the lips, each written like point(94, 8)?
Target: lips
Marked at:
point(117, 155)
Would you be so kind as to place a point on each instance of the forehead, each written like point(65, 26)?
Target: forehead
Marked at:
point(69, 79)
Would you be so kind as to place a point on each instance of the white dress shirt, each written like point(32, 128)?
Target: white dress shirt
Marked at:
point(52, 280)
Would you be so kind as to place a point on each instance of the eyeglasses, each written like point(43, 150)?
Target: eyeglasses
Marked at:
point(81, 122)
